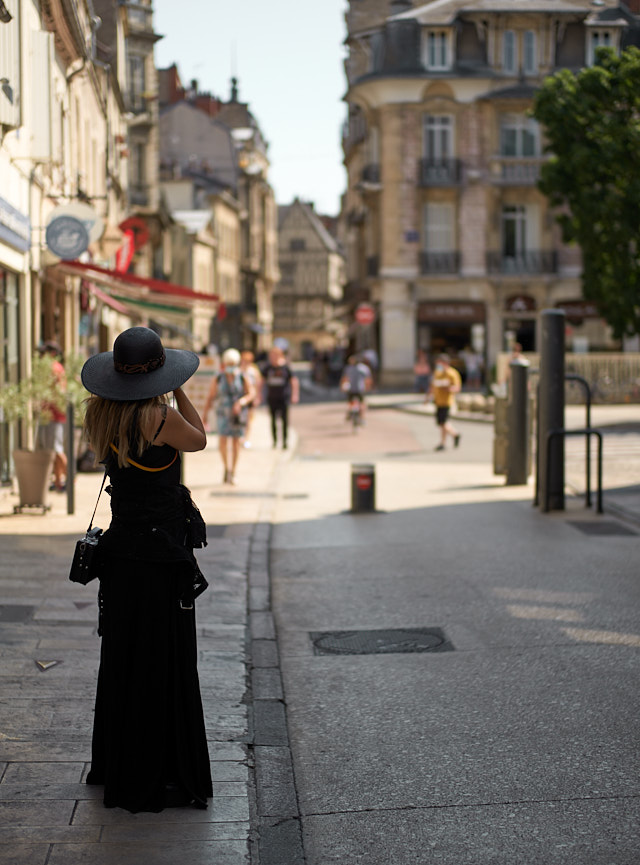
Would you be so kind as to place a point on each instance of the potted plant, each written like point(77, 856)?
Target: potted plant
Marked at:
point(29, 402)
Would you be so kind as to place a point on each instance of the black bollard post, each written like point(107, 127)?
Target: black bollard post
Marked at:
point(363, 489)
point(518, 413)
point(551, 411)
point(71, 461)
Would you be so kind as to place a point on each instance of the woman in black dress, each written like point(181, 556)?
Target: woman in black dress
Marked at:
point(149, 742)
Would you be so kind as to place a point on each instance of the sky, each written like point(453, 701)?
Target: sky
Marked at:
point(288, 58)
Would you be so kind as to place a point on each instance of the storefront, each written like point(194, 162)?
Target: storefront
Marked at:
point(15, 239)
point(519, 322)
point(451, 327)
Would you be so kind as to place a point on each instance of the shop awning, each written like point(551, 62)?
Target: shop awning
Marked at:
point(110, 301)
point(128, 286)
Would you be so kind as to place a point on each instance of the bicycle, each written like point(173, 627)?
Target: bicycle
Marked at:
point(354, 414)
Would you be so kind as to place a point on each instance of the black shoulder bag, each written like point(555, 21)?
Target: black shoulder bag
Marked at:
point(83, 568)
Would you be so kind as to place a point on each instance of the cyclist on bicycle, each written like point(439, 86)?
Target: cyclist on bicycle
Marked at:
point(355, 382)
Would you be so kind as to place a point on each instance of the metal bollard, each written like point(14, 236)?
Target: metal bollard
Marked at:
point(71, 461)
point(518, 410)
point(363, 489)
point(551, 410)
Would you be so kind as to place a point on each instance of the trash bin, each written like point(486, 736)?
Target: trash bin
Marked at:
point(363, 489)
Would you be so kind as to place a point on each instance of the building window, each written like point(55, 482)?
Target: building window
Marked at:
point(297, 244)
point(137, 82)
point(509, 52)
point(138, 164)
point(438, 227)
point(519, 136)
point(438, 137)
point(597, 39)
point(530, 59)
point(437, 50)
point(514, 231)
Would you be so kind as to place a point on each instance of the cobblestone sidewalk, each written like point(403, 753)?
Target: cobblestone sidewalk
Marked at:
point(49, 656)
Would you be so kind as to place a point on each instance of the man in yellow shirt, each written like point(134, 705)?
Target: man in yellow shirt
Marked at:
point(446, 382)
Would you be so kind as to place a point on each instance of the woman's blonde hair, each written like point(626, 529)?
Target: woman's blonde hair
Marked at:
point(231, 357)
point(121, 423)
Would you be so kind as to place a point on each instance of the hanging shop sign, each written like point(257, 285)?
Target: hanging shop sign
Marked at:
point(139, 228)
point(15, 227)
point(71, 228)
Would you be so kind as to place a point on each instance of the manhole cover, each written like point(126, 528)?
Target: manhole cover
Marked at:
point(385, 642)
point(15, 613)
point(601, 527)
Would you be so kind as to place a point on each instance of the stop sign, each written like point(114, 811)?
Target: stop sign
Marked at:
point(365, 314)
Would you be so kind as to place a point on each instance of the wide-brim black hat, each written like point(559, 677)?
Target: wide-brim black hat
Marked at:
point(139, 367)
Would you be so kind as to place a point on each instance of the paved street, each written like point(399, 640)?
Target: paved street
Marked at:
point(518, 743)
point(514, 742)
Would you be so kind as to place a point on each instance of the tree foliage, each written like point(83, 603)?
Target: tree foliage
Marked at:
point(592, 124)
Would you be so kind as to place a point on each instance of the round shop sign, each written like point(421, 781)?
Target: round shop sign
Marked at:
point(67, 237)
point(91, 220)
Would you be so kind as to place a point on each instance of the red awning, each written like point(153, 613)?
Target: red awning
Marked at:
point(137, 287)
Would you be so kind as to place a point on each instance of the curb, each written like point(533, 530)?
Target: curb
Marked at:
point(276, 835)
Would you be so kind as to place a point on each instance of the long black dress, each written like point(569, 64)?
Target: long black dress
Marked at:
point(149, 742)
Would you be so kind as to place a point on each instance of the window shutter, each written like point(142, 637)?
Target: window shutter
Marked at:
point(438, 234)
point(10, 68)
point(40, 101)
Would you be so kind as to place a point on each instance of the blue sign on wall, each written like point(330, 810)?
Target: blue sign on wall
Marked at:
point(15, 227)
point(67, 237)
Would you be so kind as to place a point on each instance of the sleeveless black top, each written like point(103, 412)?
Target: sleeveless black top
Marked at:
point(153, 517)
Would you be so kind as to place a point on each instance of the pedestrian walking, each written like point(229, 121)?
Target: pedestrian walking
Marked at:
point(446, 383)
point(232, 393)
point(355, 382)
point(422, 373)
point(472, 367)
point(250, 369)
point(149, 740)
point(282, 389)
point(51, 434)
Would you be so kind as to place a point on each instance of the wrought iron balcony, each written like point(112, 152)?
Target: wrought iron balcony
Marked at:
point(516, 170)
point(440, 172)
point(371, 174)
point(439, 262)
point(532, 261)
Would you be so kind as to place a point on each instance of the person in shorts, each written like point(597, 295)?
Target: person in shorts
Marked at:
point(446, 383)
point(232, 393)
point(356, 381)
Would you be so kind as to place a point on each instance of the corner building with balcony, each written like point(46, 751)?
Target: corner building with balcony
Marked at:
point(445, 229)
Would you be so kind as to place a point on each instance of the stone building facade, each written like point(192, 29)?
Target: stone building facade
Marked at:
point(445, 230)
point(307, 299)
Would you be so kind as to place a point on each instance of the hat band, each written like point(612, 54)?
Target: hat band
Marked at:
point(135, 368)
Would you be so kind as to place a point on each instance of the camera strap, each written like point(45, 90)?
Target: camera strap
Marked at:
point(93, 515)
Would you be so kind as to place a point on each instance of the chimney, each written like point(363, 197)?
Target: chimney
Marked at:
point(634, 6)
point(398, 6)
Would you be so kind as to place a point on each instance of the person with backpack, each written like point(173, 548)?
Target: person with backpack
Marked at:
point(282, 388)
point(232, 392)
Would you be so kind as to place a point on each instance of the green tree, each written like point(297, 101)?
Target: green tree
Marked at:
point(592, 123)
